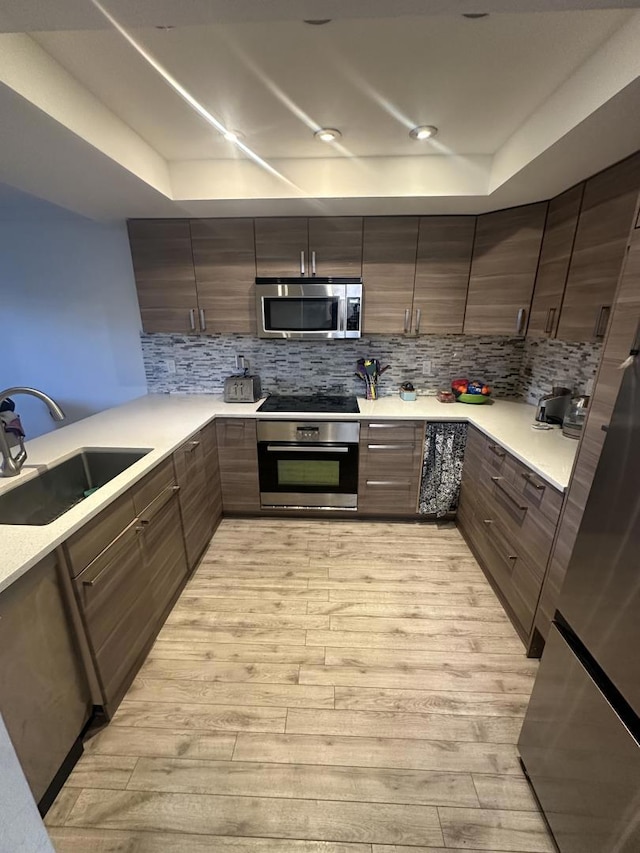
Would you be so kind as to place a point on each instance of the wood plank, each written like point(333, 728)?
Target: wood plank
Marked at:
point(404, 753)
point(431, 701)
point(167, 650)
point(430, 627)
point(140, 741)
point(181, 715)
point(505, 792)
point(371, 593)
point(424, 588)
point(207, 634)
point(102, 771)
point(80, 840)
point(61, 807)
point(205, 619)
point(495, 830)
point(397, 848)
point(221, 693)
point(226, 671)
point(404, 572)
point(440, 643)
point(221, 589)
point(409, 611)
point(239, 605)
point(386, 724)
point(306, 781)
point(438, 677)
point(406, 658)
point(262, 816)
point(294, 585)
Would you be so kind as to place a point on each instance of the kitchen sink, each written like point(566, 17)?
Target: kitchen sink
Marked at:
point(54, 491)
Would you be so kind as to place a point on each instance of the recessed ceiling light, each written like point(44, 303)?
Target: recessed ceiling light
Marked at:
point(165, 27)
point(327, 134)
point(233, 135)
point(317, 22)
point(424, 131)
point(474, 16)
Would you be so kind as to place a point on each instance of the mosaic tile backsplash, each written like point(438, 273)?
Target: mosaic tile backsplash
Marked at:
point(513, 367)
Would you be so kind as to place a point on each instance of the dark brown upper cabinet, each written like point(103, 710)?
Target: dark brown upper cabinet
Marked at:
point(555, 256)
point(224, 260)
point(503, 270)
point(606, 217)
point(445, 244)
point(295, 246)
point(388, 272)
point(164, 274)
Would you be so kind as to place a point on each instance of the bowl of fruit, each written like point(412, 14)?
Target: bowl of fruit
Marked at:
point(467, 391)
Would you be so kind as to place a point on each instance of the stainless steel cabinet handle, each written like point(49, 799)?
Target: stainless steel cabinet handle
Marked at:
point(192, 446)
point(302, 263)
point(388, 483)
point(520, 317)
point(496, 450)
point(514, 501)
point(407, 320)
point(106, 557)
point(192, 319)
point(383, 426)
point(551, 318)
point(601, 327)
point(203, 322)
point(530, 478)
point(408, 446)
point(313, 263)
point(418, 318)
point(301, 448)
point(489, 522)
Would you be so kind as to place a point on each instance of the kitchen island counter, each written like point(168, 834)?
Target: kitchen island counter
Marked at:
point(160, 423)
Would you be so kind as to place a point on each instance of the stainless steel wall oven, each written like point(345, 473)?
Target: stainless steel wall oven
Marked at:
point(306, 465)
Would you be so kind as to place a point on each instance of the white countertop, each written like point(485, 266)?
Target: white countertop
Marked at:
point(161, 422)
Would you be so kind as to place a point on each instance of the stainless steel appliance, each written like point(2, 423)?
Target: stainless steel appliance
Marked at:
point(308, 464)
point(553, 407)
point(242, 389)
point(580, 743)
point(318, 308)
point(575, 418)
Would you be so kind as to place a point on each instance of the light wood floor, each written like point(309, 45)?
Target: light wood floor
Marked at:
point(320, 687)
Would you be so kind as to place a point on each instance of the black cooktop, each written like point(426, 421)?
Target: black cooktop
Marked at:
point(322, 403)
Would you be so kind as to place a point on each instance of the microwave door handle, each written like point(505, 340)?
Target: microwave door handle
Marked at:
point(342, 317)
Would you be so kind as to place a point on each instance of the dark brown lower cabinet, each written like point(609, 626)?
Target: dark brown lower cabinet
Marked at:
point(126, 589)
point(238, 454)
point(45, 698)
point(209, 436)
point(390, 467)
point(508, 515)
point(195, 498)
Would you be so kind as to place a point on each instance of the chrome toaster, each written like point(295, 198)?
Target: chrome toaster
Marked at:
point(242, 389)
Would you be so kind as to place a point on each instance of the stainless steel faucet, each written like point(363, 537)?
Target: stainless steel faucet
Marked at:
point(12, 465)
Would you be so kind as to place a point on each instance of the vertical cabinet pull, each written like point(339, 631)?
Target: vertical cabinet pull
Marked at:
point(520, 317)
point(192, 319)
point(203, 322)
point(602, 320)
point(407, 320)
point(551, 318)
point(418, 318)
point(313, 263)
point(302, 262)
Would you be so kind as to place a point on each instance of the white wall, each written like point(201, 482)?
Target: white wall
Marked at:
point(69, 318)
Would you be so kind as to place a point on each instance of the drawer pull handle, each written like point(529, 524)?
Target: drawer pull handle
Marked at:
point(602, 320)
point(192, 446)
point(514, 501)
point(489, 522)
point(388, 483)
point(192, 319)
point(390, 446)
point(530, 478)
point(407, 320)
point(386, 426)
point(520, 318)
point(108, 554)
point(551, 316)
point(497, 450)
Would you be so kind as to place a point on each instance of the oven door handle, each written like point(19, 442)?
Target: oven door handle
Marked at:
point(301, 448)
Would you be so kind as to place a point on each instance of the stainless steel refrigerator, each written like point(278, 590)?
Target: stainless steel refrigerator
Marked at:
point(580, 742)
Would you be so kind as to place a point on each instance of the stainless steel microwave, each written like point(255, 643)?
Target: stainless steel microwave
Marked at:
point(312, 309)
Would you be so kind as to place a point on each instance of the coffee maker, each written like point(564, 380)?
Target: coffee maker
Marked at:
point(553, 407)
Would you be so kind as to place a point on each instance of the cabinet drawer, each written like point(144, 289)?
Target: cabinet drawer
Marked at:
point(495, 457)
point(386, 432)
point(85, 545)
point(531, 532)
point(148, 489)
point(534, 491)
point(388, 497)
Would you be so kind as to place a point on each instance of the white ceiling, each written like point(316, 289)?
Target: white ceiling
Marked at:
point(507, 92)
